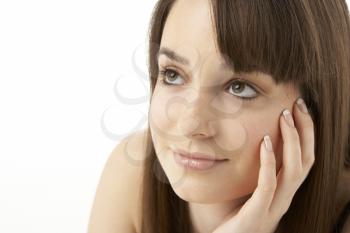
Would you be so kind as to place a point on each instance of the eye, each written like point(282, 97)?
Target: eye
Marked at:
point(168, 74)
point(239, 86)
point(243, 88)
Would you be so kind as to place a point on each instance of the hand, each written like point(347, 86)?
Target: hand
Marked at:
point(273, 196)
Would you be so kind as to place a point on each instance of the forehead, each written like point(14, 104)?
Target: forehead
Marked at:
point(189, 38)
point(189, 31)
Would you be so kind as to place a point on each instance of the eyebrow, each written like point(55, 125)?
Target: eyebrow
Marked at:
point(226, 65)
point(172, 55)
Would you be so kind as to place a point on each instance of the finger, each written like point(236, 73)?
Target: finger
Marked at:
point(290, 174)
point(305, 127)
point(261, 199)
point(292, 161)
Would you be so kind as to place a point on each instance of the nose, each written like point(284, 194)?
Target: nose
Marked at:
point(196, 121)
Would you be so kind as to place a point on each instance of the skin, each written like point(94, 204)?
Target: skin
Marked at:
point(186, 116)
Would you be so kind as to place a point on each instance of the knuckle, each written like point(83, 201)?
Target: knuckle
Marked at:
point(310, 139)
point(311, 161)
point(309, 134)
point(297, 150)
point(294, 137)
point(268, 188)
point(309, 120)
point(267, 191)
point(309, 126)
point(284, 208)
point(270, 163)
point(311, 123)
point(298, 172)
point(273, 184)
point(295, 174)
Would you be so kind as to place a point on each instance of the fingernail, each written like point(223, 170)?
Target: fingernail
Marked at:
point(288, 117)
point(267, 142)
point(302, 105)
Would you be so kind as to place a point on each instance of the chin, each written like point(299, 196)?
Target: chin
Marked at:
point(196, 196)
point(203, 194)
point(195, 192)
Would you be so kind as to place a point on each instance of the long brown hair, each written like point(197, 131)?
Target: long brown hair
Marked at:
point(303, 42)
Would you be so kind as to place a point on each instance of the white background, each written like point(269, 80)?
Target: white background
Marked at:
point(60, 62)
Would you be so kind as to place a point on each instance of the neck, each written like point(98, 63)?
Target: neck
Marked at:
point(206, 217)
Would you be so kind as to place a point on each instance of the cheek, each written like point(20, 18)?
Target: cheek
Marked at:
point(246, 162)
point(159, 119)
point(232, 137)
point(258, 128)
point(166, 107)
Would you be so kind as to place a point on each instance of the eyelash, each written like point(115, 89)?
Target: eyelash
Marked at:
point(162, 73)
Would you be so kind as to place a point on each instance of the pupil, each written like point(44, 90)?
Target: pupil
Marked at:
point(238, 87)
point(172, 76)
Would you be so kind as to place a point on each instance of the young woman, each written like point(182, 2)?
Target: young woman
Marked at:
point(248, 123)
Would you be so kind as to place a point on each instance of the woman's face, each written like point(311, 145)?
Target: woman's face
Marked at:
point(202, 112)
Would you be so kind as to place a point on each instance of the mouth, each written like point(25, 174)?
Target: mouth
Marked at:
point(195, 161)
point(198, 155)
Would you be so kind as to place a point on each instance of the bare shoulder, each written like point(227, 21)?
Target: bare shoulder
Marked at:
point(137, 143)
point(116, 204)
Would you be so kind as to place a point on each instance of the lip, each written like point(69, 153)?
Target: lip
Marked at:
point(197, 155)
point(196, 163)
